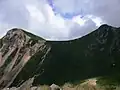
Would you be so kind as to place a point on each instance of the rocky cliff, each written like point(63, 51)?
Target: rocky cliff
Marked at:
point(24, 55)
point(16, 49)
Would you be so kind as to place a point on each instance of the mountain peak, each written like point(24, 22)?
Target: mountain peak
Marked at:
point(16, 48)
point(15, 31)
point(15, 37)
point(105, 26)
point(24, 55)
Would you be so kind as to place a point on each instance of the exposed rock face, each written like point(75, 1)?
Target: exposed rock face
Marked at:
point(24, 55)
point(16, 50)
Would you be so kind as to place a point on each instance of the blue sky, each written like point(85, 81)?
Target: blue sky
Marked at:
point(58, 19)
point(67, 15)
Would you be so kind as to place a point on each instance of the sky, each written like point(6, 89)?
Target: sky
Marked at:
point(58, 19)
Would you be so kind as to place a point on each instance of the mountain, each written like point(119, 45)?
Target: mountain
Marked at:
point(24, 55)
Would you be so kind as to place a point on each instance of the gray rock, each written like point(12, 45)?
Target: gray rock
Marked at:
point(55, 87)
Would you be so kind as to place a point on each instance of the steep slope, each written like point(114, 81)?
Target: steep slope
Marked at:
point(24, 55)
point(92, 55)
point(16, 50)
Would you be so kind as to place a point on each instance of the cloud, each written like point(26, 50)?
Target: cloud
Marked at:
point(104, 9)
point(35, 16)
point(108, 11)
point(58, 19)
point(80, 31)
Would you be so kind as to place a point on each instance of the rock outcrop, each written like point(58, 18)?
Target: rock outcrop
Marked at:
point(16, 50)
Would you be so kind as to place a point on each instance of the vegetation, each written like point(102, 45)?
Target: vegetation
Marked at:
point(110, 81)
point(76, 60)
point(72, 61)
point(34, 37)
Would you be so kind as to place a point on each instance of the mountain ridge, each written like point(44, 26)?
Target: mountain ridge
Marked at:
point(24, 55)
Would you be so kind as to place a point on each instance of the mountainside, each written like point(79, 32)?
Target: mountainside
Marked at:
point(24, 55)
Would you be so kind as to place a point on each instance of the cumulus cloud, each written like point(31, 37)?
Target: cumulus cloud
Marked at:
point(108, 11)
point(34, 15)
point(78, 31)
point(58, 19)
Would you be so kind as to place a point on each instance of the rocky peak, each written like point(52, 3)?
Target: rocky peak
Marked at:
point(15, 31)
point(15, 37)
point(24, 55)
point(16, 50)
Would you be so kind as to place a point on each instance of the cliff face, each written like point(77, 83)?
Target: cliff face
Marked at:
point(24, 55)
point(16, 50)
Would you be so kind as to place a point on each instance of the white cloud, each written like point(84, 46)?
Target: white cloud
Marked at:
point(80, 21)
point(46, 23)
point(79, 31)
point(35, 13)
point(38, 17)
